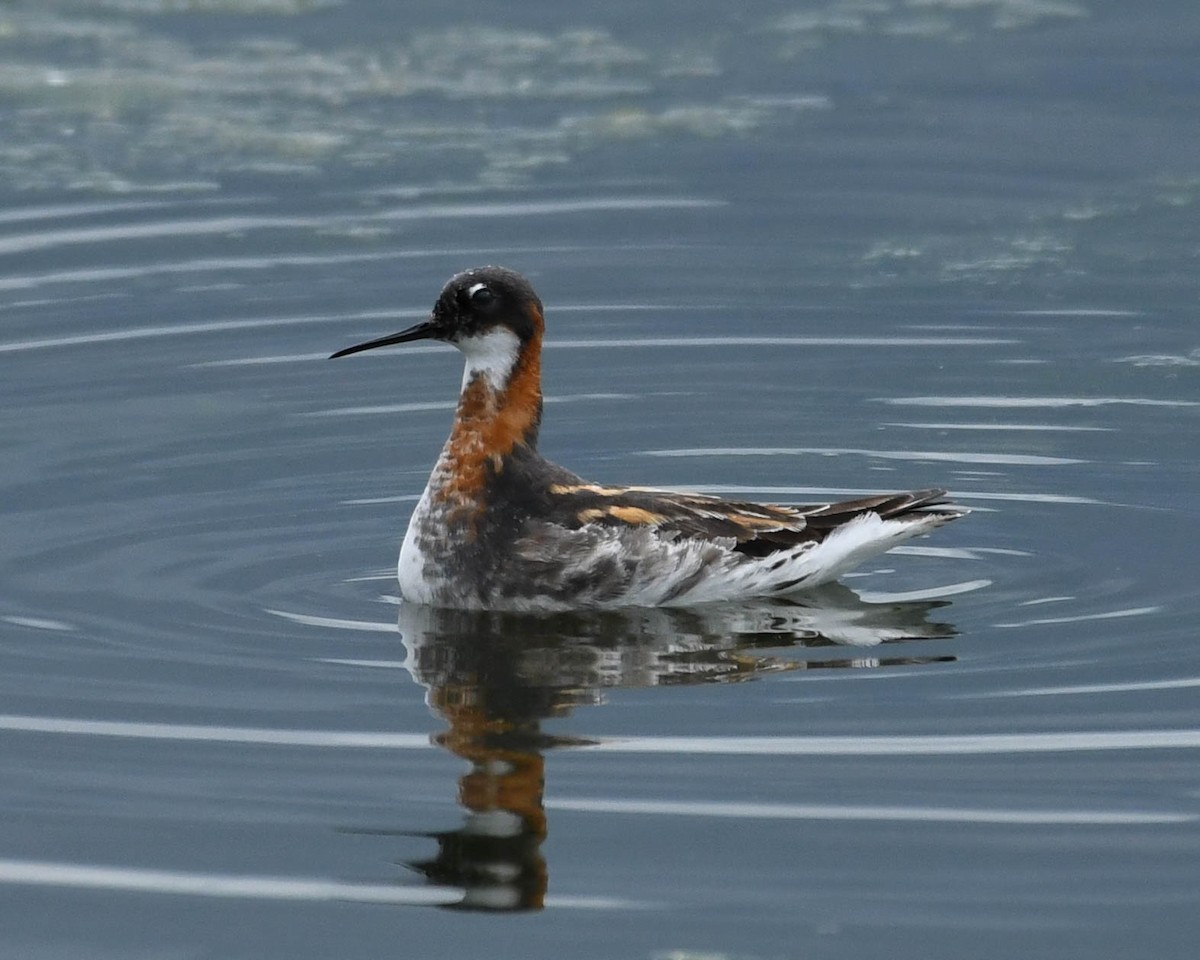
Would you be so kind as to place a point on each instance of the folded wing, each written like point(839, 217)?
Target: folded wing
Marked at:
point(753, 529)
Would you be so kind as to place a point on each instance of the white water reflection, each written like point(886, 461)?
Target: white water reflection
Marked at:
point(198, 733)
point(941, 456)
point(177, 882)
point(934, 745)
point(736, 341)
point(334, 623)
point(1079, 618)
point(1135, 686)
point(1025, 427)
point(314, 890)
point(1191, 359)
point(229, 225)
point(424, 407)
point(1032, 402)
point(46, 239)
point(37, 623)
point(220, 265)
point(928, 593)
point(816, 746)
point(858, 813)
point(215, 326)
point(370, 501)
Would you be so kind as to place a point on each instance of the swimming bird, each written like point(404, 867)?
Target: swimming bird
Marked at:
point(501, 527)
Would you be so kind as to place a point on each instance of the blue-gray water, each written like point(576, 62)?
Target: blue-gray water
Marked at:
point(789, 250)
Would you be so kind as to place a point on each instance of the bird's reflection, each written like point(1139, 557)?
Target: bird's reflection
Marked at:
point(494, 677)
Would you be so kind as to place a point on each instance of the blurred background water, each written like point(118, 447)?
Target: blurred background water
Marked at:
point(788, 250)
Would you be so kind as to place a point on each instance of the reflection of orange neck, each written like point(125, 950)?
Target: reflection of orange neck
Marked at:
point(508, 780)
point(491, 422)
point(501, 780)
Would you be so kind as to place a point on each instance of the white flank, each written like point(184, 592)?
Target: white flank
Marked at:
point(410, 568)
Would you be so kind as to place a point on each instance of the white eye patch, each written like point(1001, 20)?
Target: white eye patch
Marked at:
point(480, 295)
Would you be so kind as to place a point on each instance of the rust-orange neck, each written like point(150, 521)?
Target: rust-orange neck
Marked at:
point(490, 422)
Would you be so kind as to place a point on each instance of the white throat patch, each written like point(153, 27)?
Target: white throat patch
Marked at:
point(491, 355)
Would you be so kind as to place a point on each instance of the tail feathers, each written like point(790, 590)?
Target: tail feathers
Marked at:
point(864, 529)
point(920, 504)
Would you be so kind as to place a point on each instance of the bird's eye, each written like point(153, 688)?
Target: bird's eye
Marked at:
point(481, 295)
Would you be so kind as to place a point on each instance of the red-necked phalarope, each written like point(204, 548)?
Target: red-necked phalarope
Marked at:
point(501, 527)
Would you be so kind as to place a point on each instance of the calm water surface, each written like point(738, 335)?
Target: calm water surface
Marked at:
point(789, 251)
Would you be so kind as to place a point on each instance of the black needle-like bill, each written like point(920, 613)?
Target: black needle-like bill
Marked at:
point(424, 330)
